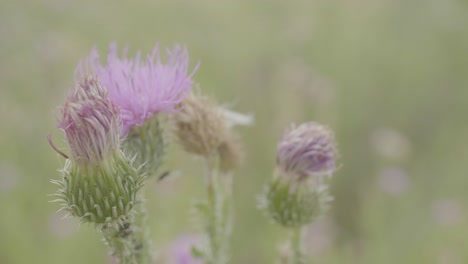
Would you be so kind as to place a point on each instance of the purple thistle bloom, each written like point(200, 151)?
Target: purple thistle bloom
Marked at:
point(307, 150)
point(91, 122)
point(143, 87)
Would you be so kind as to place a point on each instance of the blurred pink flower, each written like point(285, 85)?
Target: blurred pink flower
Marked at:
point(180, 251)
point(391, 144)
point(393, 180)
point(446, 212)
point(143, 87)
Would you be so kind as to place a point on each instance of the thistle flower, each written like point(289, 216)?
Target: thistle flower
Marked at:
point(91, 123)
point(143, 87)
point(307, 150)
point(297, 195)
point(99, 183)
point(199, 127)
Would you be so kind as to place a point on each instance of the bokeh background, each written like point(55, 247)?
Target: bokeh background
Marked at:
point(390, 77)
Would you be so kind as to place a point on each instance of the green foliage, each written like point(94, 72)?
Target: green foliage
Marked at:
point(104, 195)
point(147, 145)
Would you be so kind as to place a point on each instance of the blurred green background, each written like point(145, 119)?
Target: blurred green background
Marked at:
point(389, 76)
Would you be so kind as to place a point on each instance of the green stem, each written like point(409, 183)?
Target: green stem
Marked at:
point(141, 236)
point(148, 144)
point(129, 242)
point(297, 246)
point(217, 219)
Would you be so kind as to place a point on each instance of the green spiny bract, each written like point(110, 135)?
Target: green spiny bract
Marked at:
point(148, 145)
point(104, 194)
point(293, 206)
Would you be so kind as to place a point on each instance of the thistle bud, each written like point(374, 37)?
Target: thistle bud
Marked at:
point(297, 195)
point(305, 151)
point(91, 123)
point(99, 183)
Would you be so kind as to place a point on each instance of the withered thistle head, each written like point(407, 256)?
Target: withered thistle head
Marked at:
point(307, 150)
point(230, 153)
point(91, 122)
point(198, 126)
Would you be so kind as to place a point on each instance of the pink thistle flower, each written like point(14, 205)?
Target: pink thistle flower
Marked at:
point(91, 122)
point(143, 87)
point(307, 150)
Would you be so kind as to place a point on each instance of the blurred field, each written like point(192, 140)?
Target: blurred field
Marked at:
point(389, 76)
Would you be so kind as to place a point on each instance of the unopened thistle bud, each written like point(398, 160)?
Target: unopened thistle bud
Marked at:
point(308, 150)
point(297, 194)
point(99, 183)
point(91, 123)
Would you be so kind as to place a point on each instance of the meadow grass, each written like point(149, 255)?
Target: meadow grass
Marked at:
point(388, 76)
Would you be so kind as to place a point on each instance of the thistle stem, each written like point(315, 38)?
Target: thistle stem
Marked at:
point(148, 144)
point(128, 242)
point(216, 226)
point(297, 246)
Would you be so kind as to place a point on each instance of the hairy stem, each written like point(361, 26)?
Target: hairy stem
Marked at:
point(297, 246)
point(147, 142)
point(217, 215)
point(128, 242)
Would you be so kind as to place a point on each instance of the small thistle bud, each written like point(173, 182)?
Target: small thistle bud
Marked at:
point(307, 150)
point(297, 195)
point(91, 123)
point(199, 127)
point(99, 184)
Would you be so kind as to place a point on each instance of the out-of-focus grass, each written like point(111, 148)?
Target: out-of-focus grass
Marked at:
point(389, 76)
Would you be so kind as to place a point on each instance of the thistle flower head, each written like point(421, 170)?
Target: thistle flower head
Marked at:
point(296, 195)
point(99, 184)
point(199, 126)
point(91, 122)
point(307, 150)
point(143, 87)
